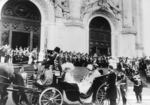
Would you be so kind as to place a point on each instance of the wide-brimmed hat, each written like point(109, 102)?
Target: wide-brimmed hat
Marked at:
point(67, 67)
point(89, 67)
point(57, 49)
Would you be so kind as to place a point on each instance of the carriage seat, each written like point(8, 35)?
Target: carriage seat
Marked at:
point(69, 86)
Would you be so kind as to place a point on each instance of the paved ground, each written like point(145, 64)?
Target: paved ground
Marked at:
point(78, 74)
point(131, 98)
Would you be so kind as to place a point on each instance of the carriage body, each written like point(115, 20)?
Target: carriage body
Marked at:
point(60, 91)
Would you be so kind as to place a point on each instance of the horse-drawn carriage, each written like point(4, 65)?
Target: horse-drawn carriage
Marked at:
point(60, 91)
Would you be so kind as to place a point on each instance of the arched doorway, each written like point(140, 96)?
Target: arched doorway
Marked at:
point(21, 22)
point(99, 36)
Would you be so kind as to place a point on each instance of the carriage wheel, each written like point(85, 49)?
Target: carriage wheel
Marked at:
point(101, 95)
point(34, 97)
point(51, 96)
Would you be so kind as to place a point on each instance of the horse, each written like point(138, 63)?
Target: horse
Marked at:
point(8, 76)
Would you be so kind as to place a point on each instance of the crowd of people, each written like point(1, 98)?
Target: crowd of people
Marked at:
point(128, 67)
point(17, 55)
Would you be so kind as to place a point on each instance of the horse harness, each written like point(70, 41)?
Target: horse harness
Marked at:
point(1, 76)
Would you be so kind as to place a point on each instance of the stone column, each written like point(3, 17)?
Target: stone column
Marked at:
point(115, 44)
point(127, 13)
point(51, 36)
point(138, 26)
point(10, 35)
point(42, 41)
point(31, 39)
point(0, 31)
point(42, 37)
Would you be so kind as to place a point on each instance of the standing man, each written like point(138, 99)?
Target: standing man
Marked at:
point(55, 60)
point(123, 87)
point(111, 92)
point(138, 87)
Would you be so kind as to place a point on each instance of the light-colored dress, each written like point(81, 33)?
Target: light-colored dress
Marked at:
point(25, 76)
point(69, 78)
point(87, 82)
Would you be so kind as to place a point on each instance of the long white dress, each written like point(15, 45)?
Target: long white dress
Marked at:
point(30, 58)
point(87, 82)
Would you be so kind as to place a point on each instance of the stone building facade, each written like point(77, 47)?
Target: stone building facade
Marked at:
point(112, 27)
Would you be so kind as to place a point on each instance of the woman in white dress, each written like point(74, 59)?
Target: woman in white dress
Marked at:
point(86, 82)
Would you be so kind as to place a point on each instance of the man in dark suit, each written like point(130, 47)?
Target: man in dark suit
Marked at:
point(111, 93)
point(55, 60)
point(120, 65)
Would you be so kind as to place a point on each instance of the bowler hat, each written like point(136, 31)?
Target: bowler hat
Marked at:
point(57, 49)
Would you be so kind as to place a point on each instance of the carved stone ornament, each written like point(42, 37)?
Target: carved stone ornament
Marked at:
point(5, 37)
point(15, 26)
point(36, 29)
point(8, 12)
point(26, 28)
point(34, 16)
point(103, 5)
point(5, 25)
point(21, 9)
point(62, 9)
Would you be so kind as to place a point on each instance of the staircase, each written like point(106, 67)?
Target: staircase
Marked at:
point(29, 70)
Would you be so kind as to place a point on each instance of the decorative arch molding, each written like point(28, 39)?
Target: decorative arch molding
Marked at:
point(114, 25)
point(105, 14)
point(45, 7)
point(47, 19)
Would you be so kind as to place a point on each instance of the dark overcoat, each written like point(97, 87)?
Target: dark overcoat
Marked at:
point(111, 92)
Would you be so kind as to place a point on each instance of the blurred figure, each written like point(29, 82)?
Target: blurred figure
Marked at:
point(24, 76)
point(123, 87)
point(2, 53)
point(138, 87)
point(68, 72)
point(87, 80)
point(111, 92)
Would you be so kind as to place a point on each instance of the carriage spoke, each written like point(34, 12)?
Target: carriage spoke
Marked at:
point(43, 100)
point(56, 103)
point(45, 96)
point(51, 96)
point(56, 96)
point(46, 103)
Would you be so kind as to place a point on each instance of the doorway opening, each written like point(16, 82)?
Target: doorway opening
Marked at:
point(20, 39)
point(99, 37)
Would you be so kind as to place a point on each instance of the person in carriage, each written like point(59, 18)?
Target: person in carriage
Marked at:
point(53, 63)
point(86, 82)
point(24, 76)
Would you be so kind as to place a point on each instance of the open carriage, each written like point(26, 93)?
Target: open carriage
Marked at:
point(60, 91)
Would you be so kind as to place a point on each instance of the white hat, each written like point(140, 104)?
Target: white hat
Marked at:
point(67, 67)
point(89, 67)
point(95, 55)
